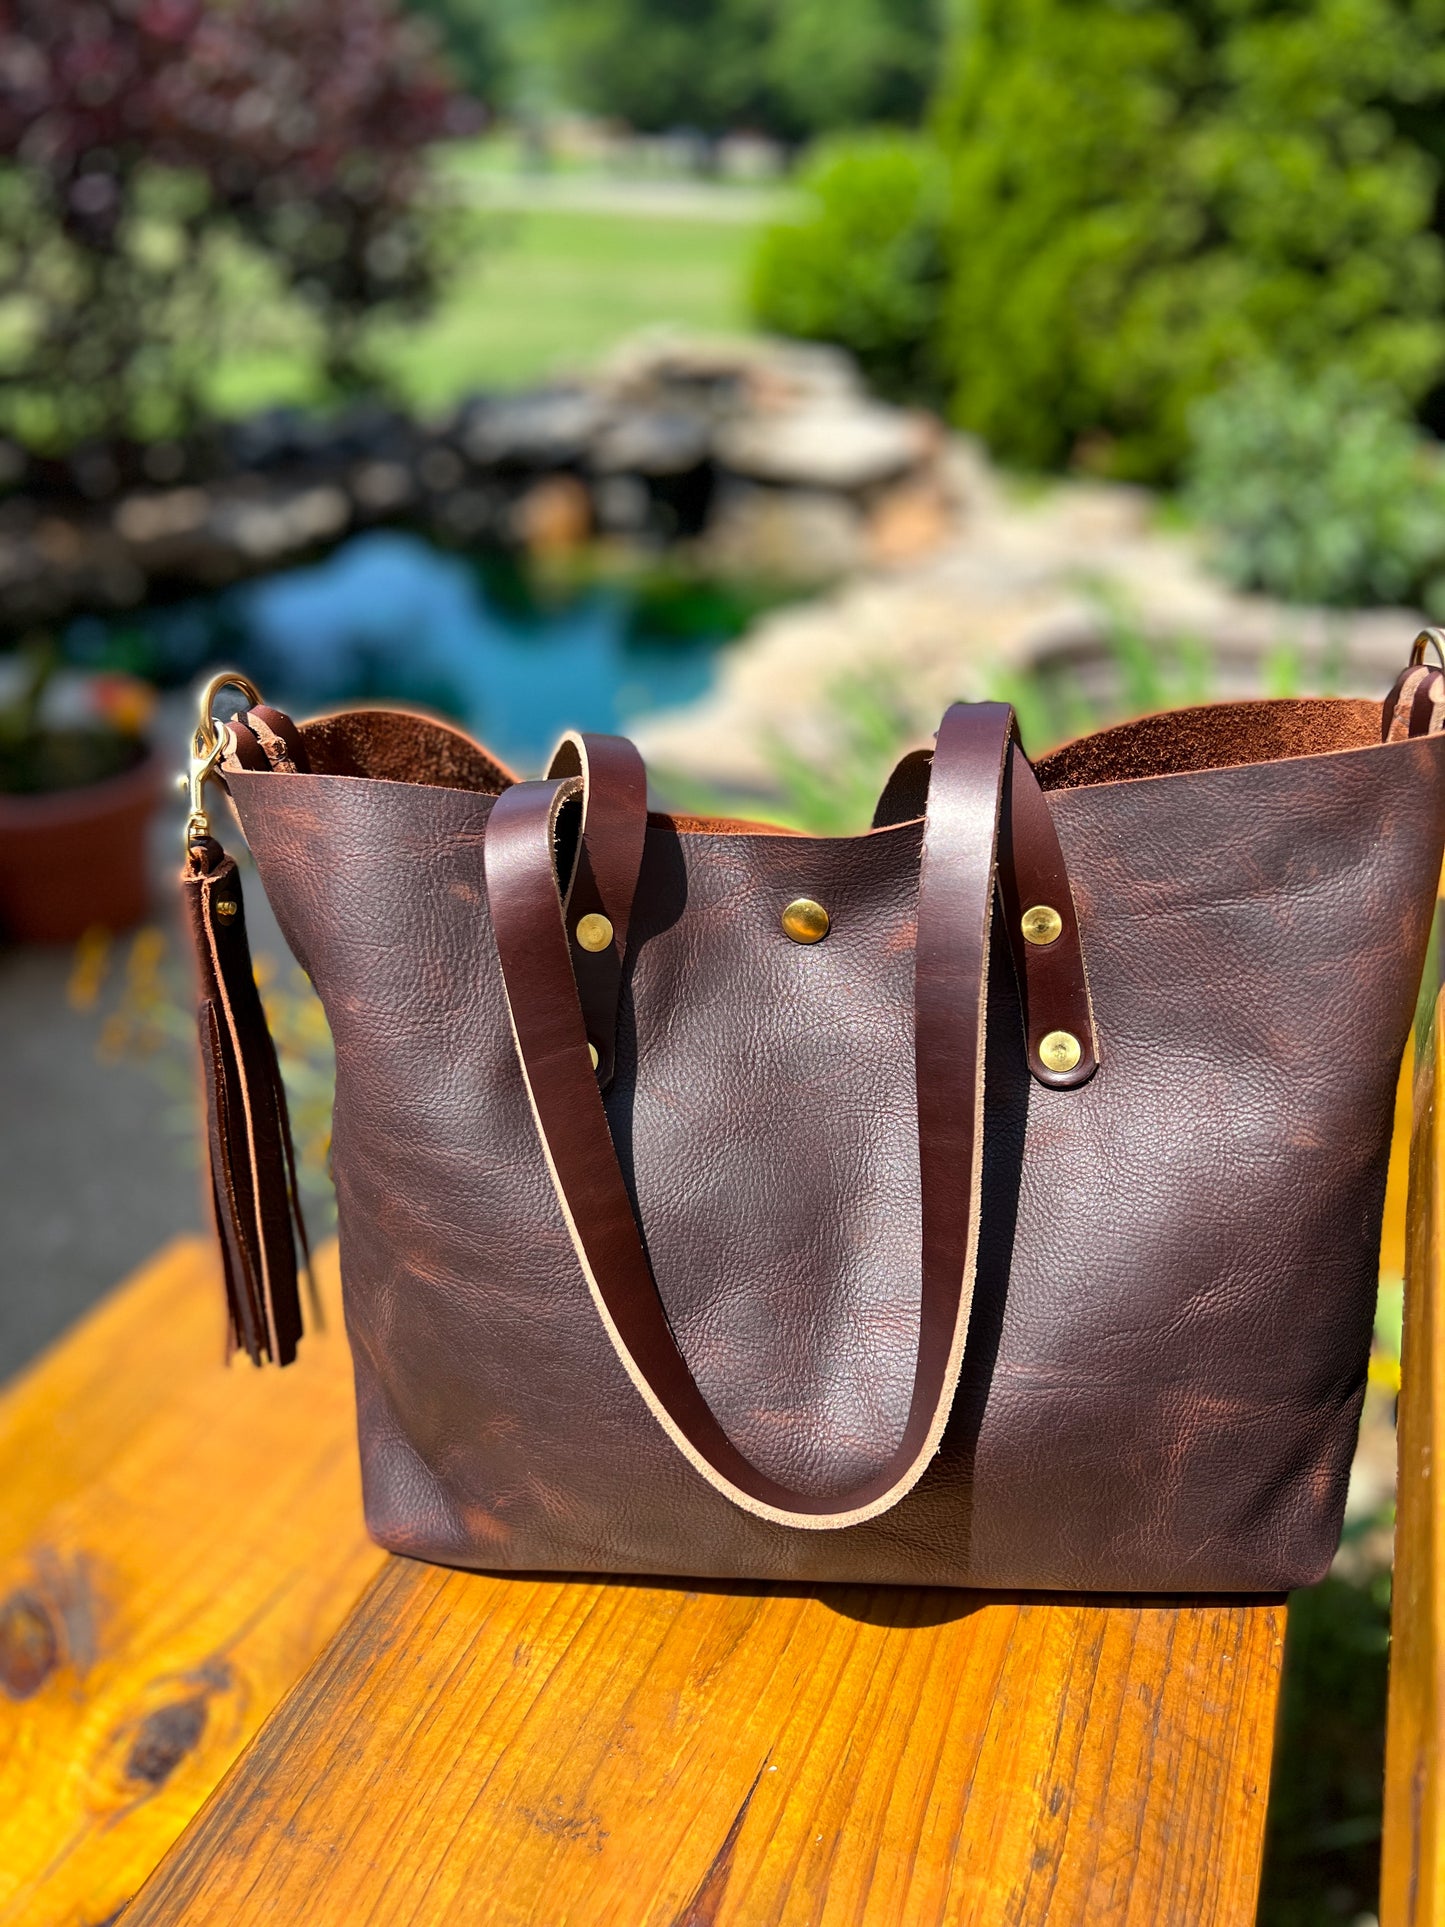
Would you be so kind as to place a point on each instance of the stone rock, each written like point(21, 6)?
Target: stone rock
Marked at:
point(362, 429)
point(164, 462)
point(267, 530)
point(268, 439)
point(440, 469)
point(554, 516)
point(472, 514)
point(652, 441)
point(724, 374)
point(908, 521)
point(94, 472)
point(622, 504)
point(381, 488)
point(60, 542)
point(848, 447)
point(144, 519)
point(122, 584)
point(551, 428)
point(285, 437)
point(789, 535)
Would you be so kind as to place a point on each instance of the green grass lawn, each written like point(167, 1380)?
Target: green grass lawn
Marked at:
point(546, 291)
point(558, 289)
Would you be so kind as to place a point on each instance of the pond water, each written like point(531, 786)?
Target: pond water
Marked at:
point(514, 655)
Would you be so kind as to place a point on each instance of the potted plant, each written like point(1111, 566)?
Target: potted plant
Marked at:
point(79, 781)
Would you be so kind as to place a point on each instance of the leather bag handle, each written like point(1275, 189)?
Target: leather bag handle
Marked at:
point(1040, 917)
point(960, 849)
point(1415, 705)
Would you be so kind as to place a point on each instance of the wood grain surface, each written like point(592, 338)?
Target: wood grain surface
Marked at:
point(479, 1749)
point(1412, 1892)
point(1393, 1230)
point(177, 1543)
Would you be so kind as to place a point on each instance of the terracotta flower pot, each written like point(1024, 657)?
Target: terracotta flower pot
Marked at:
point(75, 858)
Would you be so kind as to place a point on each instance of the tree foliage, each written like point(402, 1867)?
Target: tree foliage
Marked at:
point(1149, 197)
point(149, 145)
point(788, 67)
point(1320, 492)
point(481, 39)
point(863, 264)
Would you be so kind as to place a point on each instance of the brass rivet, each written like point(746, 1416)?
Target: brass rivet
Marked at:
point(594, 931)
point(226, 908)
point(1042, 924)
point(805, 921)
point(593, 1053)
point(1060, 1050)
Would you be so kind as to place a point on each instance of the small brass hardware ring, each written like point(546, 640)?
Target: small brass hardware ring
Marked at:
point(806, 921)
point(1042, 924)
point(1427, 639)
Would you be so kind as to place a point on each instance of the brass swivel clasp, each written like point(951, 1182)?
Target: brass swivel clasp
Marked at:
point(209, 744)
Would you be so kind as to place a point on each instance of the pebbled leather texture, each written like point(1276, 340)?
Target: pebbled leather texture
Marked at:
point(547, 1008)
point(1175, 1284)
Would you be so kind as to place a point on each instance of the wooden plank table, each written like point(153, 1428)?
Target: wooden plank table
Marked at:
point(217, 1697)
point(469, 1747)
point(177, 1544)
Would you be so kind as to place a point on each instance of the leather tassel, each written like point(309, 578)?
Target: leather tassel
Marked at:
point(252, 1159)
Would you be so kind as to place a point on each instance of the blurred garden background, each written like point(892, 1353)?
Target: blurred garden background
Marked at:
point(754, 375)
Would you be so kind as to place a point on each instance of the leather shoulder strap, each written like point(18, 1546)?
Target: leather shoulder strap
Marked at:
point(1041, 919)
point(955, 903)
point(604, 876)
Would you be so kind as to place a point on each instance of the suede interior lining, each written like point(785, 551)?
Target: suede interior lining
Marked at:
point(1218, 736)
point(400, 746)
point(719, 825)
point(408, 748)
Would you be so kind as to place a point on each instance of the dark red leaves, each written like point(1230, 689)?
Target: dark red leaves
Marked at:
point(297, 126)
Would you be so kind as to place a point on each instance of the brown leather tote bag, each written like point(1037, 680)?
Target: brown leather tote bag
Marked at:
point(992, 1199)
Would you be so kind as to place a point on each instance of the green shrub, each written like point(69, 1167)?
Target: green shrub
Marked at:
point(864, 266)
point(1320, 492)
point(1149, 197)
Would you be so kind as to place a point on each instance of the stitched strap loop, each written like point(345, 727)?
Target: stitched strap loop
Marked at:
point(604, 877)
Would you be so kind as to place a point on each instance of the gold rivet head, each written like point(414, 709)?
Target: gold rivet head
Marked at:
point(227, 909)
point(805, 921)
point(1060, 1050)
point(1042, 924)
point(594, 931)
point(592, 1052)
